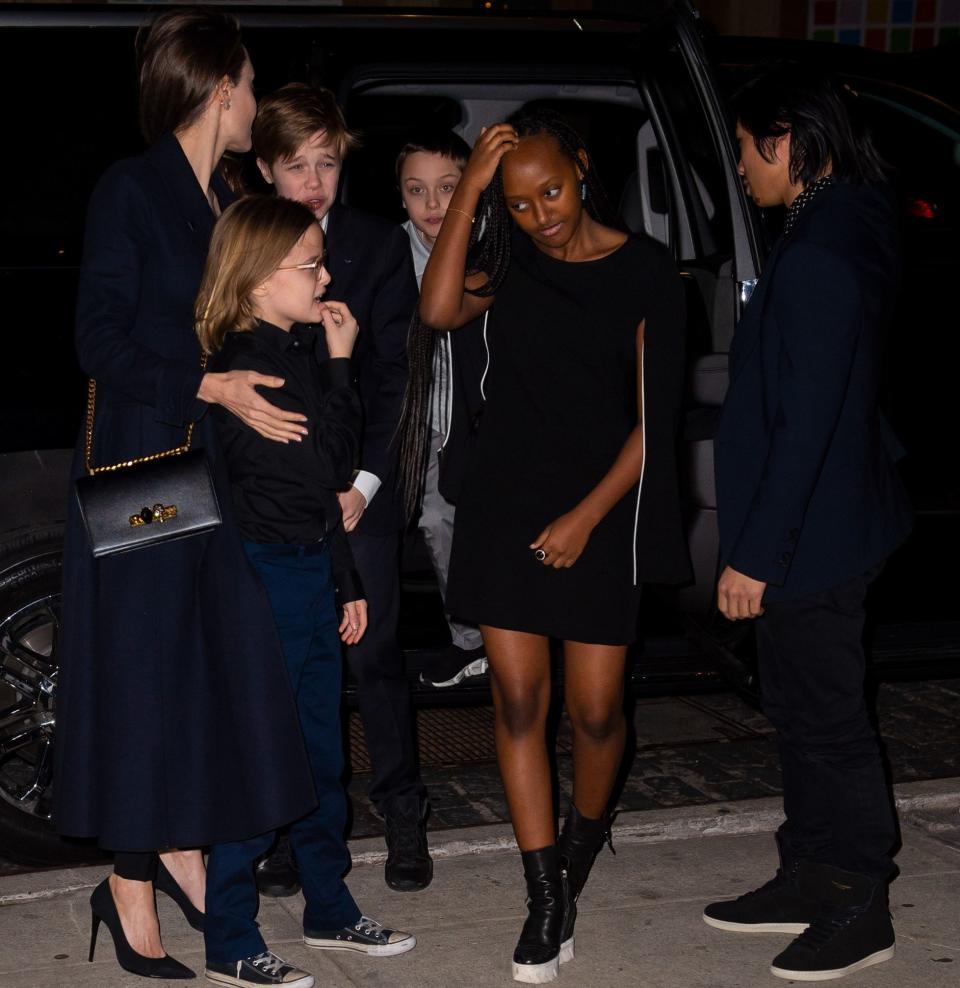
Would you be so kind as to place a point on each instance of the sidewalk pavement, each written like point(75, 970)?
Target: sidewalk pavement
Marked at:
point(639, 919)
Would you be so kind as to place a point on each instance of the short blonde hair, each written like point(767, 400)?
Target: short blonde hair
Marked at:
point(292, 115)
point(250, 241)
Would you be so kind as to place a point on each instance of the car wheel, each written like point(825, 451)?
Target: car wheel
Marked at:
point(30, 572)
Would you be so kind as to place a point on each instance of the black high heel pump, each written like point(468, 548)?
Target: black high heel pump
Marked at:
point(104, 910)
point(167, 884)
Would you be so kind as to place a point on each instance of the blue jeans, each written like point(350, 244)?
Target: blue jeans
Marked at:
point(299, 584)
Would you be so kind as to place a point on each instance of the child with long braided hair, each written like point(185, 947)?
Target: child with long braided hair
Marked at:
point(570, 500)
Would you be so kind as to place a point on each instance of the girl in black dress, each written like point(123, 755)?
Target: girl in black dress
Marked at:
point(571, 501)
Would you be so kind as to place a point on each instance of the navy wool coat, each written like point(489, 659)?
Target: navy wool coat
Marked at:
point(176, 725)
point(808, 494)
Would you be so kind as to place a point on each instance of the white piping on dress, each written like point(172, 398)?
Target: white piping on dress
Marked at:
point(448, 397)
point(486, 346)
point(643, 465)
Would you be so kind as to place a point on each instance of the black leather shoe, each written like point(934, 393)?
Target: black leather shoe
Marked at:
point(277, 874)
point(409, 866)
point(537, 957)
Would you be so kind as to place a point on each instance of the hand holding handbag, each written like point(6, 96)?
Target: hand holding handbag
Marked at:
point(146, 500)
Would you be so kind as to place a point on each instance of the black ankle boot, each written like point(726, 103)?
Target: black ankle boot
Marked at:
point(580, 842)
point(537, 957)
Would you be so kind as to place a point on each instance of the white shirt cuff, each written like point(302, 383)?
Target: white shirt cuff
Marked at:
point(367, 483)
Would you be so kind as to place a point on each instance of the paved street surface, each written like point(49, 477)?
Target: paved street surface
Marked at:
point(640, 915)
point(690, 750)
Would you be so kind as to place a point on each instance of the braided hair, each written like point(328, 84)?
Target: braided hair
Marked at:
point(488, 253)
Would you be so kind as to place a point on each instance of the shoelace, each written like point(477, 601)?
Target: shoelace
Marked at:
point(369, 927)
point(268, 962)
point(825, 927)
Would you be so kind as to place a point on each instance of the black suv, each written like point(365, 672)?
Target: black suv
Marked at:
point(641, 90)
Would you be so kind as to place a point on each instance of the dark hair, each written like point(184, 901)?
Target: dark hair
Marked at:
point(489, 253)
point(821, 117)
point(446, 143)
point(181, 56)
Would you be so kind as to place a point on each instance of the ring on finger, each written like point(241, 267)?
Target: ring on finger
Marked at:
point(540, 555)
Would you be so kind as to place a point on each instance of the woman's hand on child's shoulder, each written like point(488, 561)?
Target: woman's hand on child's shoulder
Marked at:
point(340, 328)
point(236, 391)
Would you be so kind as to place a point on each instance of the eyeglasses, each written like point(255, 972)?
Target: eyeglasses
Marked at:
point(313, 266)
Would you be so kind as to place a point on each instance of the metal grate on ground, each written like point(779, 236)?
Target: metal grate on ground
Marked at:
point(447, 736)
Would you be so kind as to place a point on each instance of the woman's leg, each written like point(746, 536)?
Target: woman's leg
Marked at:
point(593, 677)
point(520, 682)
point(188, 872)
point(131, 886)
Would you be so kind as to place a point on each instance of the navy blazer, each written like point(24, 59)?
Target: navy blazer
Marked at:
point(807, 489)
point(372, 271)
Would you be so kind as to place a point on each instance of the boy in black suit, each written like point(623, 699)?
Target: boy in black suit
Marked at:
point(301, 138)
point(809, 506)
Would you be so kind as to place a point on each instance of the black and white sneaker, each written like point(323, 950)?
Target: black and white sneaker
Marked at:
point(263, 969)
point(367, 937)
point(455, 665)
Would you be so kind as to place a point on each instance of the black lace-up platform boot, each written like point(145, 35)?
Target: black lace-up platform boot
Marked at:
point(536, 960)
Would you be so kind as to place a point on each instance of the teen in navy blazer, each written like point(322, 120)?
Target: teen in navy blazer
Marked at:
point(809, 506)
point(807, 489)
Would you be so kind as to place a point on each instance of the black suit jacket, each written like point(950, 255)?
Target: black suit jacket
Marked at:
point(372, 271)
point(807, 490)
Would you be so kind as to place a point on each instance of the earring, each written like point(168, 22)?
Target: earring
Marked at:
point(583, 191)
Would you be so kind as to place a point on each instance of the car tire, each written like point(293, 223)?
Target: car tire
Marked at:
point(31, 565)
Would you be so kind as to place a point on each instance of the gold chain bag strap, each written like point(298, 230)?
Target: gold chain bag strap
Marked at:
point(145, 500)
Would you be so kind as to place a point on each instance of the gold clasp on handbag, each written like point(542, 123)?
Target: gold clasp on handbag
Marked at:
point(158, 513)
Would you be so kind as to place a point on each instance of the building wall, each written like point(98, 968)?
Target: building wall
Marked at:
point(891, 25)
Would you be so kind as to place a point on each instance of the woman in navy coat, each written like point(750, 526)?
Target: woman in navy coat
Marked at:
point(175, 723)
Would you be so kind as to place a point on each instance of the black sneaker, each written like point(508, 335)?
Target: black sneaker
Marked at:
point(852, 931)
point(277, 874)
point(776, 907)
point(455, 665)
point(409, 866)
point(367, 937)
point(263, 969)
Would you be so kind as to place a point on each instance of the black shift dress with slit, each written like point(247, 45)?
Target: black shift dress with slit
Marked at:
point(561, 399)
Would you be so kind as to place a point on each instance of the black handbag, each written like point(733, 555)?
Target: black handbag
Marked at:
point(146, 500)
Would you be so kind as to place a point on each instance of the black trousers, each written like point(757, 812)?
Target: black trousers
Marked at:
point(383, 693)
point(837, 803)
point(138, 866)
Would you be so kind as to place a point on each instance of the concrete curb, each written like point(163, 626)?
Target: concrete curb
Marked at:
point(749, 816)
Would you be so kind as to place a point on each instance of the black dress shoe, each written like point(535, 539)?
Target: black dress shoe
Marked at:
point(409, 866)
point(166, 883)
point(277, 874)
point(104, 910)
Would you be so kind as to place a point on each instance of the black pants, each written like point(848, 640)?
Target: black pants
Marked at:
point(837, 803)
point(138, 866)
point(383, 693)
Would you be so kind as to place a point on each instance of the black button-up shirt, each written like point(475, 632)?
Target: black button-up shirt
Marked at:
point(287, 492)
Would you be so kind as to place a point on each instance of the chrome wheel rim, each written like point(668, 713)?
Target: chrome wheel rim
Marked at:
point(28, 683)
